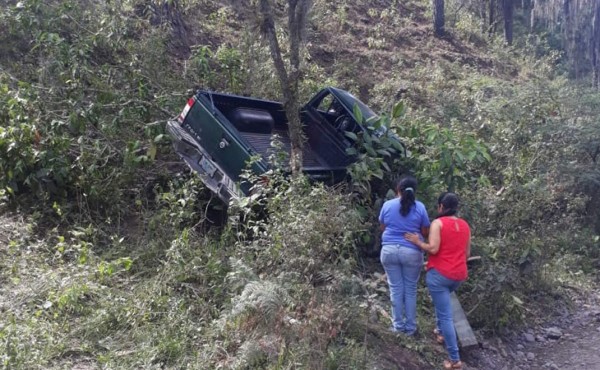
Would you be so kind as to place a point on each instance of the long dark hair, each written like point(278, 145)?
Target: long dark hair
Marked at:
point(406, 187)
point(450, 203)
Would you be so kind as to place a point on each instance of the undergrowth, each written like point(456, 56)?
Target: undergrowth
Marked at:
point(115, 257)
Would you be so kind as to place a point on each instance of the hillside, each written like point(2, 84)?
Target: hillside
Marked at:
point(114, 256)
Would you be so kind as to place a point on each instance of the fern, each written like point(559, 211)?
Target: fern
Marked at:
point(263, 298)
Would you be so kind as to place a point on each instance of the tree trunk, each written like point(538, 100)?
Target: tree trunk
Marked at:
point(595, 45)
point(483, 15)
point(169, 12)
point(508, 9)
point(492, 19)
point(438, 17)
point(532, 17)
point(297, 17)
point(579, 23)
point(527, 7)
point(297, 14)
point(568, 34)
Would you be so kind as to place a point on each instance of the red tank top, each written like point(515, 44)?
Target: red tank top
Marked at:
point(451, 258)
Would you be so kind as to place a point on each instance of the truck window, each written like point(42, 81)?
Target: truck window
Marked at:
point(325, 103)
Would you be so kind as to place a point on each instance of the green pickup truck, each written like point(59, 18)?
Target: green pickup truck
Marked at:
point(217, 134)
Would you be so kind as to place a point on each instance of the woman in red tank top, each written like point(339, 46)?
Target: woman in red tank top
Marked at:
point(448, 247)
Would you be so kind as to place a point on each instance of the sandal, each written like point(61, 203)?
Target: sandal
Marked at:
point(448, 364)
point(439, 338)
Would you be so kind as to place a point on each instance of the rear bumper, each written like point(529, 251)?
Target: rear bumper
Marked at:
point(211, 174)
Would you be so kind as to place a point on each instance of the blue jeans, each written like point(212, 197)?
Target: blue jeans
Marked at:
point(440, 289)
point(403, 266)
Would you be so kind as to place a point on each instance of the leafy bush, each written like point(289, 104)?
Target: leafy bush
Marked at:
point(32, 156)
point(290, 233)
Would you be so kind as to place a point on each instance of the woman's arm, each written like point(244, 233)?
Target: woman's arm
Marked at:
point(434, 238)
point(382, 214)
point(469, 245)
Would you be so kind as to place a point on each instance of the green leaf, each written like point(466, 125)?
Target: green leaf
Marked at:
point(358, 114)
point(152, 151)
point(397, 145)
point(398, 110)
point(517, 300)
point(431, 136)
point(351, 151)
point(351, 135)
point(375, 122)
point(126, 262)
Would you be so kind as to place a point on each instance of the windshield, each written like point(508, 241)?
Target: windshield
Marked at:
point(350, 100)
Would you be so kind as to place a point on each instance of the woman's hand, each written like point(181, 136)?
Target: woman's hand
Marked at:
point(433, 246)
point(413, 238)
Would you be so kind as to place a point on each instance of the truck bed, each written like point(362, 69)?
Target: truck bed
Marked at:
point(262, 145)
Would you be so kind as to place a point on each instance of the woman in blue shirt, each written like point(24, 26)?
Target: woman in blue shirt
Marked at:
point(401, 259)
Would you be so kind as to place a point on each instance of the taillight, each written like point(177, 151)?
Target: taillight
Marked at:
point(186, 110)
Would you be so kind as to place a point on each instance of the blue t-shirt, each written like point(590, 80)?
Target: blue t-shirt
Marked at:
point(397, 225)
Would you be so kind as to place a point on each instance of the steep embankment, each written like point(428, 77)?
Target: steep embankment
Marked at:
point(111, 257)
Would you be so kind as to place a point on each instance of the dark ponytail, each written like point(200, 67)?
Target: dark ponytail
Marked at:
point(450, 203)
point(406, 187)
